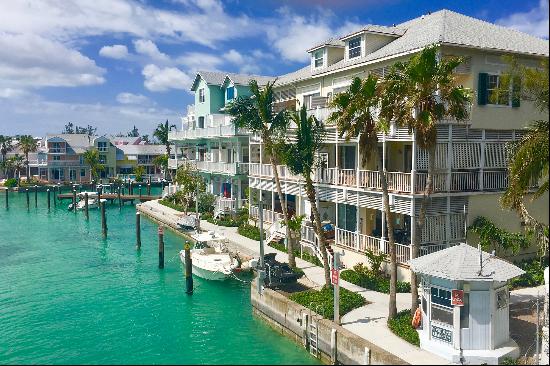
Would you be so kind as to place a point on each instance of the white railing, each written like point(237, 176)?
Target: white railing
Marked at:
point(230, 204)
point(369, 179)
point(269, 215)
point(347, 177)
point(428, 249)
point(65, 163)
point(321, 113)
point(400, 182)
point(496, 180)
point(464, 181)
point(326, 176)
point(438, 182)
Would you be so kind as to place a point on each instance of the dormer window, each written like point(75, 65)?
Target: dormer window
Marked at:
point(230, 93)
point(354, 47)
point(319, 58)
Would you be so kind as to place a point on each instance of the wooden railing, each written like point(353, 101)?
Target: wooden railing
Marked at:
point(399, 182)
point(269, 216)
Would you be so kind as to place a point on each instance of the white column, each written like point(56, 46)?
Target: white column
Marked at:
point(357, 163)
point(482, 160)
point(449, 159)
point(413, 165)
point(273, 199)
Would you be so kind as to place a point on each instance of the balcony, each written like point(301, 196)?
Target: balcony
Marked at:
point(63, 163)
point(222, 167)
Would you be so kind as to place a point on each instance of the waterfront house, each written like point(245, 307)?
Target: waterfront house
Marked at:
point(471, 159)
point(465, 305)
point(209, 140)
point(129, 156)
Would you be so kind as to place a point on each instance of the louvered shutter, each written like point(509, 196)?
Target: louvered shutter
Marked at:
point(482, 88)
point(516, 92)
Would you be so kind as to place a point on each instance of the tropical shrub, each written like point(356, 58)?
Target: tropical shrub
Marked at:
point(401, 325)
point(362, 276)
point(249, 231)
point(11, 182)
point(304, 255)
point(322, 302)
point(534, 273)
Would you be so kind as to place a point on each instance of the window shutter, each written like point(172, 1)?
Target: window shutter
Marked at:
point(482, 89)
point(516, 91)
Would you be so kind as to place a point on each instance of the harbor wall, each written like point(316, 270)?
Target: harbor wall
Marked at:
point(335, 343)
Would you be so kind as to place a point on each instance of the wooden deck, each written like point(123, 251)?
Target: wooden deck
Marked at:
point(114, 197)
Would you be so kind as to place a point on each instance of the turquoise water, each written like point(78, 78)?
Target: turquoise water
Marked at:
point(68, 296)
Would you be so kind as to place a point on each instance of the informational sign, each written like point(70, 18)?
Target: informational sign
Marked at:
point(335, 275)
point(443, 334)
point(457, 297)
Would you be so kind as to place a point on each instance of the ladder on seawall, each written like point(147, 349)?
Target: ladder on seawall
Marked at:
point(313, 335)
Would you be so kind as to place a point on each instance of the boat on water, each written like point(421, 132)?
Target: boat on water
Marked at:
point(93, 201)
point(210, 257)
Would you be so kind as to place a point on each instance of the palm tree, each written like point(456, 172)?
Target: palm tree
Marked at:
point(528, 158)
point(17, 163)
point(161, 162)
point(139, 171)
point(91, 157)
point(161, 133)
point(256, 114)
point(356, 114)
point(5, 147)
point(28, 144)
point(300, 157)
point(419, 93)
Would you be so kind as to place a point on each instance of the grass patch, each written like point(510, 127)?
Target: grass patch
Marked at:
point(322, 302)
point(401, 326)
point(172, 205)
point(373, 282)
point(305, 255)
point(533, 276)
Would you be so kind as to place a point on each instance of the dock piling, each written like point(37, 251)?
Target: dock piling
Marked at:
point(161, 247)
point(149, 188)
point(140, 191)
point(119, 199)
point(28, 204)
point(54, 197)
point(7, 197)
point(138, 231)
point(35, 195)
point(48, 190)
point(103, 220)
point(188, 269)
point(74, 200)
point(86, 206)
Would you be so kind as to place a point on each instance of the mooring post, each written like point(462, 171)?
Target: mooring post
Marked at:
point(149, 188)
point(48, 190)
point(7, 197)
point(161, 247)
point(28, 204)
point(103, 220)
point(140, 191)
point(188, 269)
point(131, 187)
point(138, 231)
point(333, 346)
point(74, 200)
point(35, 195)
point(261, 217)
point(86, 205)
point(119, 199)
point(54, 197)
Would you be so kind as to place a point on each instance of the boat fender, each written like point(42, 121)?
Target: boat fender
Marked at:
point(417, 318)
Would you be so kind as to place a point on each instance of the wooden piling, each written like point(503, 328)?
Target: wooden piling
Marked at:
point(28, 204)
point(103, 220)
point(140, 191)
point(74, 200)
point(138, 231)
point(86, 206)
point(55, 197)
point(7, 197)
point(35, 195)
point(188, 269)
point(130, 188)
point(149, 188)
point(48, 190)
point(119, 199)
point(161, 247)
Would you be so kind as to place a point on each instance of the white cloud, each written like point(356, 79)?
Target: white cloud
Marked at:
point(32, 61)
point(534, 21)
point(130, 98)
point(292, 35)
point(233, 56)
point(149, 48)
point(117, 51)
point(162, 79)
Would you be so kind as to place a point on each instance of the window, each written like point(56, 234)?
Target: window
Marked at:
point(319, 58)
point(102, 159)
point(82, 172)
point(102, 146)
point(354, 47)
point(56, 157)
point(201, 122)
point(81, 159)
point(465, 312)
point(230, 93)
point(201, 95)
point(502, 298)
point(441, 308)
point(441, 297)
point(57, 147)
point(494, 94)
point(308, 99)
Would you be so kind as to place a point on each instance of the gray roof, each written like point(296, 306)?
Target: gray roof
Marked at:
point(461, 263)
point(125, 140)
point(331, 42)
point(379, 29)
point(142, 149)
point(442, 27)
point(79, 143)
point(218, 78)
point(243, 79)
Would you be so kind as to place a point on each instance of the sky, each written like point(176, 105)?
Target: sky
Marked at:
point(114, 64)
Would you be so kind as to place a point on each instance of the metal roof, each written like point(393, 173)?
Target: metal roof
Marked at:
point(462, 263)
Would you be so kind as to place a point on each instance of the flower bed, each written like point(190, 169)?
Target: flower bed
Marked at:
point(401, 326)
point(373, 282)
point(322, 302)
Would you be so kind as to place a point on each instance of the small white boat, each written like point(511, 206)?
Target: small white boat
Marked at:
point(210, 257)
point(93, 201)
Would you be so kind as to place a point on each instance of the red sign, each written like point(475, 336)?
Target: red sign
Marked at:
point(161, 230)
point(335, 274)
point(457, 297)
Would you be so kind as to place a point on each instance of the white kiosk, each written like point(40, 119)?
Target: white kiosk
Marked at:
point(464, 304)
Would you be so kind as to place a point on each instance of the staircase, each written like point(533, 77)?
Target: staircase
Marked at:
point(311, 240)
point(275, 233)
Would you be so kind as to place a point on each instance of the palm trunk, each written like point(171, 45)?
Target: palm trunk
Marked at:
point(392, 305)
point(312, 197)
point(290, 246)
point(28, 168)
point(420, 225)
point(167, 171)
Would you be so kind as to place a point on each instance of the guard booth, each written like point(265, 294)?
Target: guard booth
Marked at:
point(465, 305)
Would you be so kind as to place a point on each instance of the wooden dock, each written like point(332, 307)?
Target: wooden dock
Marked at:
point(114, 197)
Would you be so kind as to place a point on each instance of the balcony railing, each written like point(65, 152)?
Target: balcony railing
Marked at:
point(222, 167)
point(56, 163)
point(229, 204)
point(269, 216)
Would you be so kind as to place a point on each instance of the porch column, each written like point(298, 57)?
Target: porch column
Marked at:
point(449, 159)
point(357, 163)
point(239, 194)
point(413, 226)
point(273, 199)
point(337, 163)
point(482, 160)
point(413, 164)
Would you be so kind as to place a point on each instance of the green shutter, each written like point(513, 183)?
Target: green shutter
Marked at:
point(482, 89)
point(516, 92)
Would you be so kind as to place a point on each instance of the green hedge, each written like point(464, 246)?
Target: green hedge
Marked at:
point(249, 231)
point(172, 205)
point(402, 327)
point(534, 273)
point(372, 282)
point(10, 183)
point(322, 302)
point(305, 256)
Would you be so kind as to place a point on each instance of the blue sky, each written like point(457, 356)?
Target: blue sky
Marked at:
point(118, 63)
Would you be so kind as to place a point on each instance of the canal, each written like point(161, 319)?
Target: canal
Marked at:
point(67, 296)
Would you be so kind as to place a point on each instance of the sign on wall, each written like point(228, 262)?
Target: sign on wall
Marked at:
point(443, 334)
point(457, 298)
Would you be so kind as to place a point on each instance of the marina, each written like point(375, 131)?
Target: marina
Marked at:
point(67, 295)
